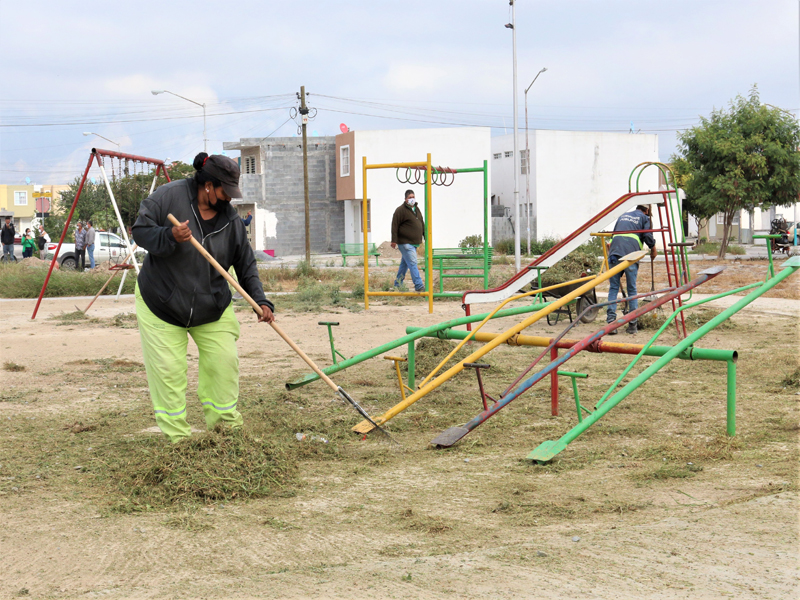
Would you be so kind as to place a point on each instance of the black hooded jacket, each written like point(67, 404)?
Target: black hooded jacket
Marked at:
point(176, 282)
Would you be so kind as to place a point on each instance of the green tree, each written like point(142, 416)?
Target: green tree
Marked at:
point(699, 212)
point(741, 158)
point(129, 185)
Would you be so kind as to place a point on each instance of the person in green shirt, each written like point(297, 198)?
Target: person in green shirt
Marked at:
point(28, 244)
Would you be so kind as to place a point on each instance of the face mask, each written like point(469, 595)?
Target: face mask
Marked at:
point(411, 201)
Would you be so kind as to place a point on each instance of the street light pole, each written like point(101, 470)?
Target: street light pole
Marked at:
point(528, 160)
point(205, 139)
point(101, 136)
point(513, 28)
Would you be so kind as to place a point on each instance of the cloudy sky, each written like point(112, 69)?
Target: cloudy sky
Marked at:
point(70, 67)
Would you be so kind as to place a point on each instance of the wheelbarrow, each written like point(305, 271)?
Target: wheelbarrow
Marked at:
point(581, 303)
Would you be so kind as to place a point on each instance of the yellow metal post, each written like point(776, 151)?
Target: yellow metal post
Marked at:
point(627, 261)
point(428, 240)
point(403, 387)
point(364, 229)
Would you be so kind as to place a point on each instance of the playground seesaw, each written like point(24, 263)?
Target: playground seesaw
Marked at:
point(454, 434)
point(365, 426)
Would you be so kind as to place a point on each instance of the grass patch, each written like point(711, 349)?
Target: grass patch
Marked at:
point(713, 248)
point(424, 523)
point(71, 318)
point(668, 471)
point(220, 465)
point(125, 321)
point(792, 380)
point(23, 281)
point(13, 367)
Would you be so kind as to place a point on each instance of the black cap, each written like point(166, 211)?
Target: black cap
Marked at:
point(227, 171)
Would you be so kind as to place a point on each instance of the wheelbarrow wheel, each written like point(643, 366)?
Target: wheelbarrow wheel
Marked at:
point(583, 304)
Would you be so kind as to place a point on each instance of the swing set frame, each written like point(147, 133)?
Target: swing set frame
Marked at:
point(98, 155)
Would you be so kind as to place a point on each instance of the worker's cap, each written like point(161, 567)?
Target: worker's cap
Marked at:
point(226, 171)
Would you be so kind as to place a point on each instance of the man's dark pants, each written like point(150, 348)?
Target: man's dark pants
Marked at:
point(80, 254)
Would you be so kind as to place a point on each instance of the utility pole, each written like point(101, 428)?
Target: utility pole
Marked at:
point(304, 116)
point(513, 27)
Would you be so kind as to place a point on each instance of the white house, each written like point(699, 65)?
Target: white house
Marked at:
point(573, 176)
point(457, 209)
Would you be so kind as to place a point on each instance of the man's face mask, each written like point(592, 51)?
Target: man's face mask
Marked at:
point(411, 201)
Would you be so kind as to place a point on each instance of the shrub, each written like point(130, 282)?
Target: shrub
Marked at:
point(471, 241)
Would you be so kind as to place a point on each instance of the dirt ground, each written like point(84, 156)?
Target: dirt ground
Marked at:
point(653, 502)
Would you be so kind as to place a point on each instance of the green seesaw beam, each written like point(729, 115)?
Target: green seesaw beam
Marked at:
point(547, 450)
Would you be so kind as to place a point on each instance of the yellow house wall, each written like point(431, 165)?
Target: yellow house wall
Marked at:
point(25, 211)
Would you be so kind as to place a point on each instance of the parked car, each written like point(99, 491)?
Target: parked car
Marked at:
point(107, 247)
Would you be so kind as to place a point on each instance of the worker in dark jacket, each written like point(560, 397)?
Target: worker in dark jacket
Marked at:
point(623, 243)
point(179, 292)
point(408, 229)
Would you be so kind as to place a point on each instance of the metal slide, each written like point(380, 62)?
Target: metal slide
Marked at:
point(528, 274)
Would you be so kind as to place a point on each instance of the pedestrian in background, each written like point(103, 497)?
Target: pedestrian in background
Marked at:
point(43, 241)
point(80, 247)
point(90, 243)
point(7, 238)
point(28, 244)
point(408, 229)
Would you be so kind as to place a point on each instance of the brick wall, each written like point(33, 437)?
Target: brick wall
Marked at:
point(278, 188)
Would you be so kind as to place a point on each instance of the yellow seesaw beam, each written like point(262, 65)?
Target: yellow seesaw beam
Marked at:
point(365, 426)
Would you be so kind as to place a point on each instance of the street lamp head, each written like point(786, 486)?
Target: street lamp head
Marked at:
point(509, 26)
point(543, 70)
point(87, 133)
point(157, 92)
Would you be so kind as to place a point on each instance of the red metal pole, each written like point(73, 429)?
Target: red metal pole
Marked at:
point(63, 234)
point(554, 384)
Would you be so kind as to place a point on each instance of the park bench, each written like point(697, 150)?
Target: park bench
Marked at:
point(447, 260)
point(358, 250)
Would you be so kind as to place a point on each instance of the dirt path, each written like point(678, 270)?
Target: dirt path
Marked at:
point(475, 521)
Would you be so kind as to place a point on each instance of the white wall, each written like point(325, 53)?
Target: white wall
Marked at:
point(574, 174)
point(457, 209)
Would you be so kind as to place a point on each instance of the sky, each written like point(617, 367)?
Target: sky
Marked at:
point(615, 65)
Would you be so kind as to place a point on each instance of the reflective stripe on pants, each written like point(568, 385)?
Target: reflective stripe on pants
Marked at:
point(164, 348)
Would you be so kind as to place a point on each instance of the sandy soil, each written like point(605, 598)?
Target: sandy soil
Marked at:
point(731, 533)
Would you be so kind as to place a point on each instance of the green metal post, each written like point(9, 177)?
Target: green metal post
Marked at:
point(412, 365)
point(428, 274)
point(485, 225)
point(547, 450)
point(574, 378)
point(731, 398)
point(333, 349)
point(769, 237)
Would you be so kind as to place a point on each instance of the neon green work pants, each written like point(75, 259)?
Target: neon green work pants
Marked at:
point(164, 348)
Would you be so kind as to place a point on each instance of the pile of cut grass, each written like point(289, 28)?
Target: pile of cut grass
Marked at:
point(429, 352)
point(694, 320)
point(221, 465)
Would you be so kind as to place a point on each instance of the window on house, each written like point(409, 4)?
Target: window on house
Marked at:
point(508, 153)
point(249, 165)
point(497, 156)
point(344, 161)
point(20, 198)
point(523, 157)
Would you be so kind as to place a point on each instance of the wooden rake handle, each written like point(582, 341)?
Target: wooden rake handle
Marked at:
point(255, 306)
